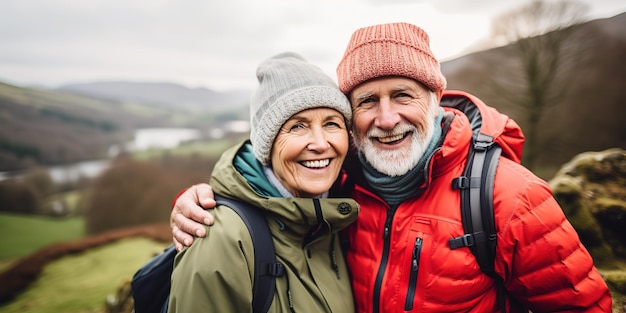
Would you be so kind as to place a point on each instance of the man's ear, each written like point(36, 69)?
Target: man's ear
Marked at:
point(439, 95)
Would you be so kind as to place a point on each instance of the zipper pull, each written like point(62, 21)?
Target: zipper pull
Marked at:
point(416, 254)
point(387, 229)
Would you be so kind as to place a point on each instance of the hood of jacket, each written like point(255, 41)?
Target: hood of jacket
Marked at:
point(238, 175)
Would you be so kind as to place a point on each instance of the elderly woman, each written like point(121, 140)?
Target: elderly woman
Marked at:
point(298, 142)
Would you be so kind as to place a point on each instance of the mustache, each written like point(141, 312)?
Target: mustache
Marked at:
point(397, 130)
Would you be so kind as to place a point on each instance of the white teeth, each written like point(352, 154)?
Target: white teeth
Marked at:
point(390, 139)
point(316, 164)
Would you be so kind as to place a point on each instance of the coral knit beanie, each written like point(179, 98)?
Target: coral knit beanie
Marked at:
point(396, 49)
point(288, 84)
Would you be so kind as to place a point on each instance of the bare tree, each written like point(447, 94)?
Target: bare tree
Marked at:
point(540, 35)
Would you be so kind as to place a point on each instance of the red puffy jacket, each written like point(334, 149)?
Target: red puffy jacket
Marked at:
point(401, 260)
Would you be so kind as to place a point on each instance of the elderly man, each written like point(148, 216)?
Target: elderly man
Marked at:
point(409, 150)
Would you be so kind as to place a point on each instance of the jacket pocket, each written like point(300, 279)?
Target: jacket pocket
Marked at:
point(413, 271)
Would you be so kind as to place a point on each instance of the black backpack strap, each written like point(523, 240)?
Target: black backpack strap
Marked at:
point(477, 212)
point(266, 268)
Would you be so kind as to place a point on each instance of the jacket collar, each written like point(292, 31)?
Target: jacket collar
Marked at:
point(238, 176)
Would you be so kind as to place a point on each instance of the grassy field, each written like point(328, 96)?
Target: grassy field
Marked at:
point(74, 283)
point(81, 283)
point(21, 235)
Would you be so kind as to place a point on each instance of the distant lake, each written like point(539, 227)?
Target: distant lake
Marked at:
point(165, 138)
point(73, 172)
point(145, 138)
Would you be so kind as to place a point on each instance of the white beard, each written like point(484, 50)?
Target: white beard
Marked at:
point(398, 162)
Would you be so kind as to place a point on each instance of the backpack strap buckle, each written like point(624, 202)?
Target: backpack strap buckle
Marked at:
point(461, 182)
point(275, 269)
point(468, 240)
point(482, 142)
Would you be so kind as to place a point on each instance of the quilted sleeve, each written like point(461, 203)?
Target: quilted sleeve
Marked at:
point(539, 254)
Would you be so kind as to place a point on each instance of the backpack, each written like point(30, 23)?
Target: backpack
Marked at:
point(489, 142)
point(151, 283)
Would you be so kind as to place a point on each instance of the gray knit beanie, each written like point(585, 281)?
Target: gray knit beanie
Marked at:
point(288, 84)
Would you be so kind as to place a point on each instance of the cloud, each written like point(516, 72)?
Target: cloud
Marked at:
point(216, 44)
point(464, 6)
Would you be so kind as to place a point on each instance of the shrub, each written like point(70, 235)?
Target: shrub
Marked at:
point(133, 192)
point(18, 197)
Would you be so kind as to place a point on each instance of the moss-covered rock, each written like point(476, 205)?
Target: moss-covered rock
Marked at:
point(591, 189)
point(570, 194)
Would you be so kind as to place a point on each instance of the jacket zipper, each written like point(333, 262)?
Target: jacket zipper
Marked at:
point(289, 296)
point(387, 241)
point(415, 263)
point(383, 261)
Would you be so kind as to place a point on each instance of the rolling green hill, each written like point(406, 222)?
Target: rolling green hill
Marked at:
point(49, 127)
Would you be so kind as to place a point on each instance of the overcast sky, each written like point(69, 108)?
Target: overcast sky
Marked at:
point(217, 44)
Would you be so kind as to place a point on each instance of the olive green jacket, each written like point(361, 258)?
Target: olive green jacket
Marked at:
point(216, 273)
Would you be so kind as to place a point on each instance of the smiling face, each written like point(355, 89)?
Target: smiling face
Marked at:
point(309, 150)
point(393, 122)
